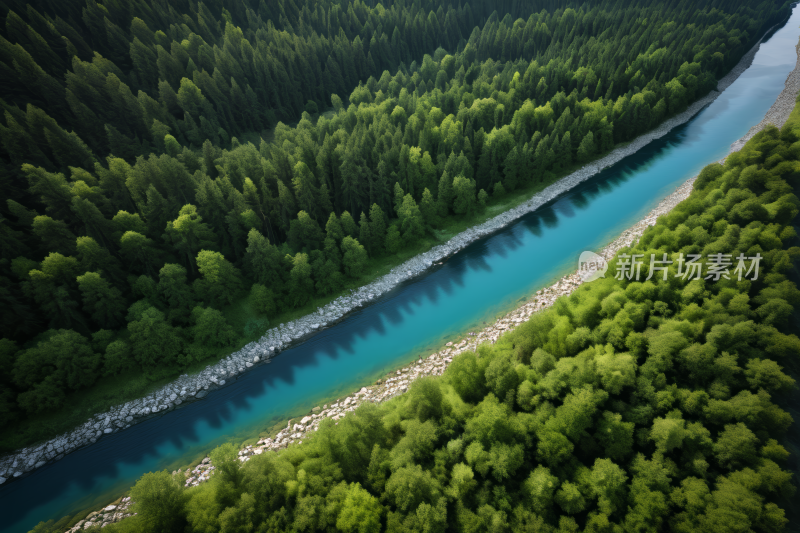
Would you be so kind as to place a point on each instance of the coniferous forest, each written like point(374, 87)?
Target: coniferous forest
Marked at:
point(627, 407)
point(150, 180)
point(161, 162)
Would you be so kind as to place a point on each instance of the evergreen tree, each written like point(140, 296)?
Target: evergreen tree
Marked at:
point(354, 257)
point(154, 343)
point(365, 235)
point(220, 282)
point(189, 234)
point(101, 301)
point(377, 224)
point(349, 226)
point(464, 192)
point(412, 224)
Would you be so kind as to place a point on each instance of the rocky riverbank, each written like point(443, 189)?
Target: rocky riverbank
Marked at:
point(779, 113)
point(399, 381)
point(187, 388)
point(103, 517)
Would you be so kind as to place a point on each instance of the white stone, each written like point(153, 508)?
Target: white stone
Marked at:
point(108, 430)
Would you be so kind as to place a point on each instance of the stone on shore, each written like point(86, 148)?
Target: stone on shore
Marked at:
point(277, 338)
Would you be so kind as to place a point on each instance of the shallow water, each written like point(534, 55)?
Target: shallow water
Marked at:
point(472, 287)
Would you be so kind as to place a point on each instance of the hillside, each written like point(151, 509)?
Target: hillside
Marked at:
point(157, 211)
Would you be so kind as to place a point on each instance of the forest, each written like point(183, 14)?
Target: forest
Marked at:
point(161, 162)
point(628, 406)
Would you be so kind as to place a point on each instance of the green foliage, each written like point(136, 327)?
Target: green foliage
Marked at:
point(220, 282)
point(263, 299)
point(130, 184)
point(211, 328)
point(160, 502)
point(354, 257)
point(628, 406)
point(361, 511)
point(154, 342)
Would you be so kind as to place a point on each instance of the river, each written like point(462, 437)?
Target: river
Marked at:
point(470, 288)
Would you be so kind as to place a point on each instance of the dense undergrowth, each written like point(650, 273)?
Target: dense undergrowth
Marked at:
point(629, 406)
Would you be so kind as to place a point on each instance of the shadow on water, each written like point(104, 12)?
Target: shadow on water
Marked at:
point(220, 408)
point(369, 340)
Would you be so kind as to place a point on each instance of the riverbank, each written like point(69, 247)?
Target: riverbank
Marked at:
point(194, 387)
point(188, 388)
point(399, 381)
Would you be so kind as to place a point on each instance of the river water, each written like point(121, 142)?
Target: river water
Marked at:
point(471, 288)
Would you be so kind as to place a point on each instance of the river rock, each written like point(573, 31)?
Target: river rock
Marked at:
point(278, 338)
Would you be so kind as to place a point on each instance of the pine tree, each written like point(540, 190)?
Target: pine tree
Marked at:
point(173, 287)
point(354, 257)
point(399, 194)
point(103, 302)
point(365, 234)
point(464, 192)
point(96, 258)
point(513, 169)
point(444, 198)
point(220, 281)
point(140, 252)
point(428, 208)
point(349, 226)
point(377, 225)
point(587, 148)
point(54, 234)
point(333, 228)
point(306, 192)
point(189, 234)
point(301, 285)
point(412, 224)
